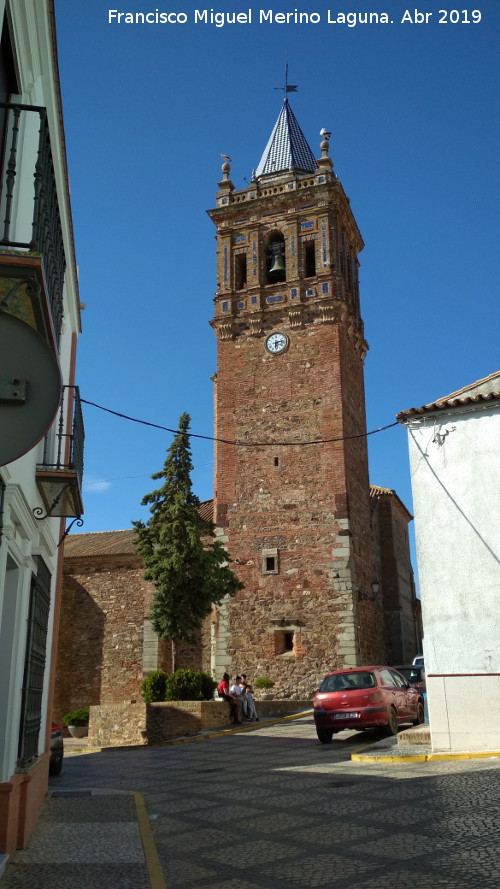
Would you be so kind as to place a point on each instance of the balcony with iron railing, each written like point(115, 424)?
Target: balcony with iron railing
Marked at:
point(59, 476)
point(32, 256)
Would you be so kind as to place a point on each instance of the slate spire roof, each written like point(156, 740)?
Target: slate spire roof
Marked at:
point(287, 148)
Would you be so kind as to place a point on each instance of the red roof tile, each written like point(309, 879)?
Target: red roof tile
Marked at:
point(114, 543)
point(99, 543)
point(487, 389)
point(376, 492)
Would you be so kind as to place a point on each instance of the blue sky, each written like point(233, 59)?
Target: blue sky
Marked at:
point(148, 109)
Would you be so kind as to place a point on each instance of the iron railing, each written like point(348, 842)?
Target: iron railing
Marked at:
point(22, 152)
point(75, 433)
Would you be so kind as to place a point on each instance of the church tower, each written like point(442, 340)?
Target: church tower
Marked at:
point(291, 490)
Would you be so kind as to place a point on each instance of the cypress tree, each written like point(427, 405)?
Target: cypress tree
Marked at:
point(188, 573)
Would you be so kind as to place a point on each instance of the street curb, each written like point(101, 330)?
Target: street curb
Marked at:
point(81, 751)
point(425, 757)
point(155, 874)
point(221, 733)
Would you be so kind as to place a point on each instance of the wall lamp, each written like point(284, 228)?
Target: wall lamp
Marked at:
point(364, 597)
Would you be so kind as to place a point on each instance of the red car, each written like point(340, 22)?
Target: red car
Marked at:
point(365, 697)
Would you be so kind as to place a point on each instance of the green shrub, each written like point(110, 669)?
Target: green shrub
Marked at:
point(263, 682)
point(153, 686)
point(189, 685)
point(77, 717)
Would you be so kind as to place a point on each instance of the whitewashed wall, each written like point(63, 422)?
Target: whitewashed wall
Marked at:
point(455, 476)
point(23, 537)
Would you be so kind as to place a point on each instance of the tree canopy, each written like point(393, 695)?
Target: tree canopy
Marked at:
point(180, 555)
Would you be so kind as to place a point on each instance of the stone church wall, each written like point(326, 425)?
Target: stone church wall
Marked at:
point(402, 616)
point(100, 648)
point(106, 642)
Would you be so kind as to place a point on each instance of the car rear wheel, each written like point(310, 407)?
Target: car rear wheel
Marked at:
point(420, 714)
point(325, 735)
point(392, 722)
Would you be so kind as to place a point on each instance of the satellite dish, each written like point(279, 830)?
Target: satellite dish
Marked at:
point(30, 388)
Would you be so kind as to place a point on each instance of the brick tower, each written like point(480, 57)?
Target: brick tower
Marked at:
point(292, 496)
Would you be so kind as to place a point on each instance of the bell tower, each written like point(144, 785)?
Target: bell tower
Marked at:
point(291, 484)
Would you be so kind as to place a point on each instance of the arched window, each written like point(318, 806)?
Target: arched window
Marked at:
point(309, 259)
point(240, 271)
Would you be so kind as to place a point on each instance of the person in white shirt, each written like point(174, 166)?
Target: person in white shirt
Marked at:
point(237, 690)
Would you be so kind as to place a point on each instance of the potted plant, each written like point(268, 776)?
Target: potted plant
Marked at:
point(264, 684)
point(77, 722)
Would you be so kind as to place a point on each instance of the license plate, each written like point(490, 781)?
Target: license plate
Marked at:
point(345, 715)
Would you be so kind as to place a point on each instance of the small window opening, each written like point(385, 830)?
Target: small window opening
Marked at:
point(269, 562)
point(276, 461)
point(310, 259)
point(240, 271)
point(288, 641)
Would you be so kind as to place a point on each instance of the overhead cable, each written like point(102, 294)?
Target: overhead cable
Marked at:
point(241, 444)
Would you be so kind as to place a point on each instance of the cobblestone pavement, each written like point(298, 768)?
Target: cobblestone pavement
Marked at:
point(84, 841)
point(274, 809)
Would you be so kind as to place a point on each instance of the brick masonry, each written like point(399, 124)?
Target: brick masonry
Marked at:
point(308, 508)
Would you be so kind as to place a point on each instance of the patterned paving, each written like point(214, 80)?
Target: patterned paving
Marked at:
point(82, 843)
point(274, 809)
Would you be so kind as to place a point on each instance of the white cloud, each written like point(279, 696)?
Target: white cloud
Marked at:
point(95, 485)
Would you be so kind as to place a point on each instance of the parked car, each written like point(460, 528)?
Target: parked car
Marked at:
point(365, 697)
point(415, 676)
point(418, 660)
point(56, 750)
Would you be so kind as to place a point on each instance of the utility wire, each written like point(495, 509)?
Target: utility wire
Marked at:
point(241, 444)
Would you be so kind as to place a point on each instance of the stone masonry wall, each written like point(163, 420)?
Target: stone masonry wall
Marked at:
point(106, 644)
point(294, 503)
point(116, 725)
point(100, 647)
point(368, 618)
point(390, 523)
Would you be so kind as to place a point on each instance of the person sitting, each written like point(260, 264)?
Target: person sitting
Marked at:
point(224, 693)
point(238, 692)
point(252, 710)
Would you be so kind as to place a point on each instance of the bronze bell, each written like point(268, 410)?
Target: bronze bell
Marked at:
point(277, 269)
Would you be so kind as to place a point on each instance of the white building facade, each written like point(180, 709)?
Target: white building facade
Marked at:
point(454, 446)
point(40, 311)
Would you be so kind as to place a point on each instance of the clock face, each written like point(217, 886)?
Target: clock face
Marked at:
point(276, 342)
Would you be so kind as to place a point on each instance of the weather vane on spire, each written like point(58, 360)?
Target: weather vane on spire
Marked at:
point(289, 87)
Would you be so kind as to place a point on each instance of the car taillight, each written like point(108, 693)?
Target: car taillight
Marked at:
point(376, 697)
point(55, 727)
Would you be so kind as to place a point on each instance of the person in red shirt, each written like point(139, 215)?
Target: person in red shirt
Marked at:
point(223, 692)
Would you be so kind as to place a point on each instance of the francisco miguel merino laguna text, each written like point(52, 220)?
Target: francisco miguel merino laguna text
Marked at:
point(262, 16)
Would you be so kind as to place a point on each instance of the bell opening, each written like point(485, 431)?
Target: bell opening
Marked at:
point(276, 267)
